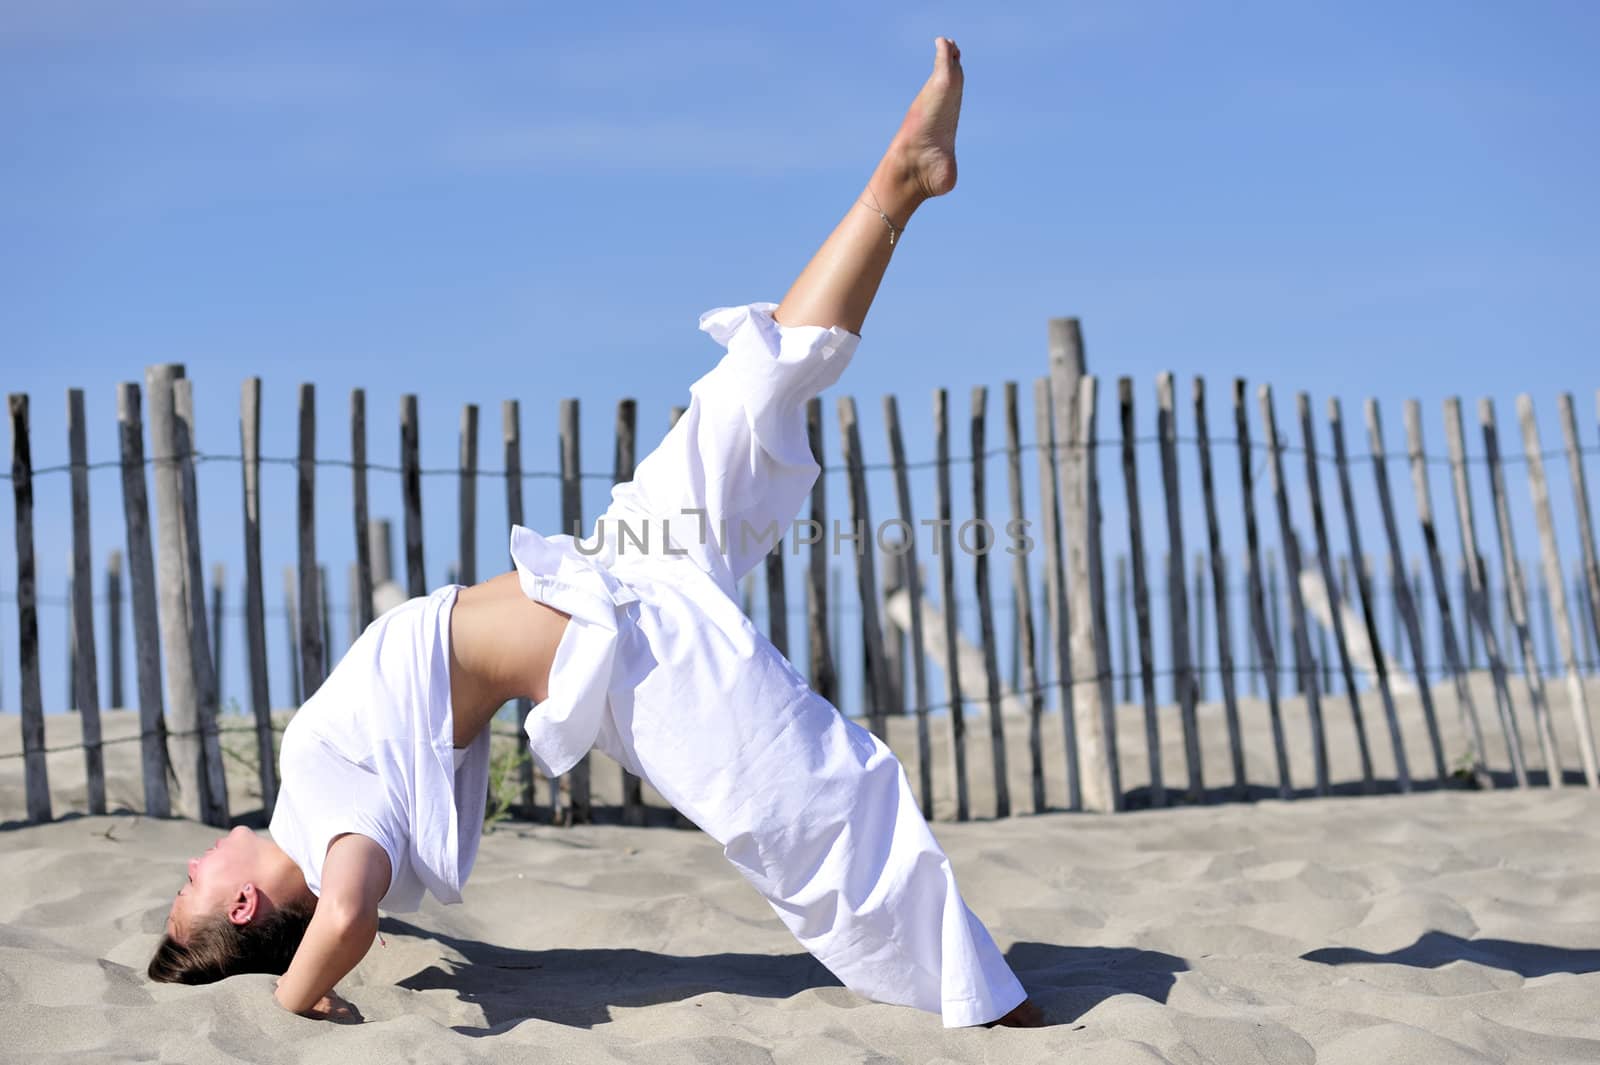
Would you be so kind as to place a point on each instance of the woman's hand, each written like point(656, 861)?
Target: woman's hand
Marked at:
point(354, 877)
point(331, 1007)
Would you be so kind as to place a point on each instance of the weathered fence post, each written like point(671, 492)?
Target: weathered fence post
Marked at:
point(1414, 589)
point(1306, 665)
point(1045, 680)
point(1265, 636)
point(322, 611)
point(777, 593)
point(411, 491)
point(1516, 595)
point(891, 579)
point(1219, 591)
point(188, 752)
point(205, 680)
point(380, 541)
point(836, 624)
point(1476, 591)
point(35, 775)
point(1396, 578)
point(255, 619)
point(352, 591)
point(1469, 614)
point(86, 682)
point(70, 642)
point(1580, 502)
point(866, 569)
point(777, 599)
point(1177, 590)
point(1587, 618)
point(312, 657)
point(219, 575)
point(467, 497)
point(1556, 586)
point(1336, 614)
point(1277, 614)
point(1124, 647)
point(1141, 590)
point(142, 588)
point(291, 616)
point(572, 522)
point(944, 547)
point(913, 590)
point(1055, 585)
point(1028, 682)
point(1014, 656)
point(362, 609)
point(114, 627)
point(820, 665)
point(1198, 609)
point(1369, 611)
point(1411, 607)
point(980, 569)
point(511, 442)
point(1093, 600)
point(1166, 583)
point(622, 465)
point(1252, 653)
point(1068, 367)
point(1325, 672)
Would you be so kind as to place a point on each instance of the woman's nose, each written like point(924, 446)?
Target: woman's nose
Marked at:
point(193, 864)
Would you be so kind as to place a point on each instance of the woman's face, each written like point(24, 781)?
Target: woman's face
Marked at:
point(220, 881)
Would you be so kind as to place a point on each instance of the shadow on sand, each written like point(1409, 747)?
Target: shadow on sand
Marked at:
point(1433, 949)
point(579, 987)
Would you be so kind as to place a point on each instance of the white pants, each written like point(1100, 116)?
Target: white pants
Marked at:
point(812, 809)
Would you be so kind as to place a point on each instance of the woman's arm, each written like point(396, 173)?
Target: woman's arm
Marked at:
point(355, 876)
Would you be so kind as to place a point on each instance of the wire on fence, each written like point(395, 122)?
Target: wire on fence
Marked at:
point(1284, 672)
point(1322, 457)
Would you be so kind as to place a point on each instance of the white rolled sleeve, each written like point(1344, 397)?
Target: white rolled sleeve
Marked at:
point(738, 460)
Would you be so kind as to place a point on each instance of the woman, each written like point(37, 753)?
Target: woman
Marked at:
point(630, 642)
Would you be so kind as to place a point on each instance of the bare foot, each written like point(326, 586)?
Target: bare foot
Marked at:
point(921, 160)
point(927, 138)
point(1025, 1015)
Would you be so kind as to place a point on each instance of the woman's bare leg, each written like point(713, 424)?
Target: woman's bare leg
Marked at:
point(838, 284)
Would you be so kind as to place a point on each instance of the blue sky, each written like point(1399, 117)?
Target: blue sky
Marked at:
point(490, 200)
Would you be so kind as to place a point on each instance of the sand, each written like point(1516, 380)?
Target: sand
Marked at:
point(1439, 927)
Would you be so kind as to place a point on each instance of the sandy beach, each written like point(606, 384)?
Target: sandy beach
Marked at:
point(1440, 927)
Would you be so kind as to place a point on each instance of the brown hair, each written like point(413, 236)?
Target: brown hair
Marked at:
point(218, 948)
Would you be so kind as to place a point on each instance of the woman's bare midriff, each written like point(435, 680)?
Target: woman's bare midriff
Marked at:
point(502, 645)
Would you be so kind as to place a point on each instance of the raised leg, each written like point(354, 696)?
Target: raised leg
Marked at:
point(737, 466)
point(838, 285)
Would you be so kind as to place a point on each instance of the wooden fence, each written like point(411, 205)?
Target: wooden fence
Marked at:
point(1224, 608)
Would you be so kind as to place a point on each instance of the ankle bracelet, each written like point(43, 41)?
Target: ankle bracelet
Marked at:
point(894, 230)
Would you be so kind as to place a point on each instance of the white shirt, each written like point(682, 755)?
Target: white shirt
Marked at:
point(372, 752)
